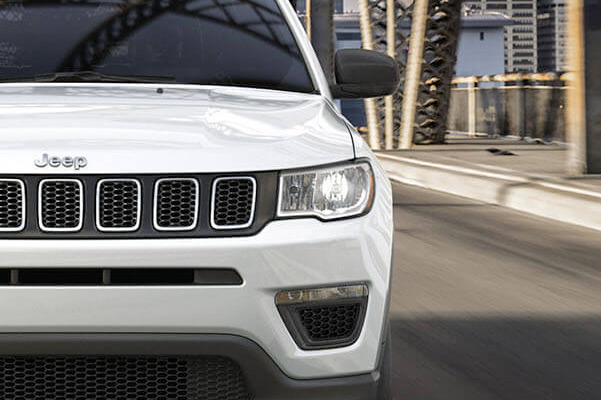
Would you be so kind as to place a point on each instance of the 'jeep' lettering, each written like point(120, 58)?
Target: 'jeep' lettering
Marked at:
point(67, 162)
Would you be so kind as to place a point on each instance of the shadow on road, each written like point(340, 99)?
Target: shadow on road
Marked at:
point(497, 358)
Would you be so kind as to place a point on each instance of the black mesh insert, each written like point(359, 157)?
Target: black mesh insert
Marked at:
point(176, 203)
point(11, 205)
point(118, 204)
point(234, 200)
point(61, 208)
point(330, 322)
point(121, 378)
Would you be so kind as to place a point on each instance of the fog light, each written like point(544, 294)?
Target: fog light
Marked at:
point(324, 318)
point(315, 295)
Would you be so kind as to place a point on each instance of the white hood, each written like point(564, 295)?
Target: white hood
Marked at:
point(186, 129)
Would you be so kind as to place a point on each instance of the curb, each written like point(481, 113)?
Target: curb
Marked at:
point(545, 198)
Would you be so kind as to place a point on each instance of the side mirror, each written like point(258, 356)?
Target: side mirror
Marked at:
point(361, 74)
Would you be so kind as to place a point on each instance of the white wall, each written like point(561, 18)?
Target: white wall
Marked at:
point(480, 57)
point(351, 5)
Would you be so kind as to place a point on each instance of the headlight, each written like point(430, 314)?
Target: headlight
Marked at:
point(328, 193)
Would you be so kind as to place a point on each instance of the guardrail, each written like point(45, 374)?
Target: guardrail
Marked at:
point(521, 105)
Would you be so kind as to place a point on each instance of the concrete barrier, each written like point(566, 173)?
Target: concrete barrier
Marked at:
point(509, 105)
point(555, 199)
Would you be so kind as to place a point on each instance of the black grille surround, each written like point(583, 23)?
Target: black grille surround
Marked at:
point(121, 378)
point(12, 207)
point(265, 209)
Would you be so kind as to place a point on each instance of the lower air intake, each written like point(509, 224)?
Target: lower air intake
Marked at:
point(325, 325)
point(330, 323)
point(121, 378)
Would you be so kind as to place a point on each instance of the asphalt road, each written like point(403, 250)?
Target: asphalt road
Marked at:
point(492, 304)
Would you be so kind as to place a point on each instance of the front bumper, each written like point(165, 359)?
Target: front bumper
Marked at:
point(289, 254)
point(256, 366)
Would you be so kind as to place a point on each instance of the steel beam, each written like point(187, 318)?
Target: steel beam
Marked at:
point(576, 105)
point(592, 80)
point(371, 109)
point(584, 92)
point(384, 28)
point(413, 75)
point(321, 28)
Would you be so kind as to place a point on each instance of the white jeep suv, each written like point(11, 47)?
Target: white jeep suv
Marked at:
point(184, 213)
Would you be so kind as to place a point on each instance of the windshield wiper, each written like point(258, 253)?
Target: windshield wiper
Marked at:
point(91, 76)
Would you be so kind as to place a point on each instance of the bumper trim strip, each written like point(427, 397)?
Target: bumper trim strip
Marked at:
point(120, 277)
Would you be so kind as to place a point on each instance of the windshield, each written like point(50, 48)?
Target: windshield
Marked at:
point(211, 42)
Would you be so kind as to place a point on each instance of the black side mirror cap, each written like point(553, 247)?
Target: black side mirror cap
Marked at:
point(362, 74)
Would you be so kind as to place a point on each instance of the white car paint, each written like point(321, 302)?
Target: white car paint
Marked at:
point(133, 129)
point(130, 128)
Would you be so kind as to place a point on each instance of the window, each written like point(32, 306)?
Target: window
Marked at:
point(481, 36)
point(236, 43)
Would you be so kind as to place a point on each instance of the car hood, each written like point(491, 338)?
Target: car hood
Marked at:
point(128, 128)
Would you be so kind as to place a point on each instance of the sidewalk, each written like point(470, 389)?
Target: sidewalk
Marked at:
point(532, 180)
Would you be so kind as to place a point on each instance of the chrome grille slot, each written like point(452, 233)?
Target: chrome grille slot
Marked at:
point(233, 203)
point(61, 205)
point(176, 204)
point(12, 205)
point(118, 205)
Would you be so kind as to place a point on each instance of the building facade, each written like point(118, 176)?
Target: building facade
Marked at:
point(520, 38)
point(552, 35)
point(481, 44)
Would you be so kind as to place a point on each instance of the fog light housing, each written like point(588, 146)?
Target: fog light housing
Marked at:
point(324, 318)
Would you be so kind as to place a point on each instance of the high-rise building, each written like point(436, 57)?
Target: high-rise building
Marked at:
point(552, 35)
point(521, 37)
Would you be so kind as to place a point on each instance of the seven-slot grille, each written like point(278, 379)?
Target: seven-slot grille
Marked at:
point(233, 202)
point(176, 204)
point(61, 205)
point(118, 205)
point(144, 206)
point(12, 205)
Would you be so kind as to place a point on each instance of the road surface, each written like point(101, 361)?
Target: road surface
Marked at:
point(492, 304)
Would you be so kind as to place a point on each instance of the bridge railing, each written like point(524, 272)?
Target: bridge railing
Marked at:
point(532, 105)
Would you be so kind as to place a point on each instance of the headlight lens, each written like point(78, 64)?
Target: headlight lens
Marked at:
point(327, 193)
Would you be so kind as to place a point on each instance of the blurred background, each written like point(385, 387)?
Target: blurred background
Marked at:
point(493, 144)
